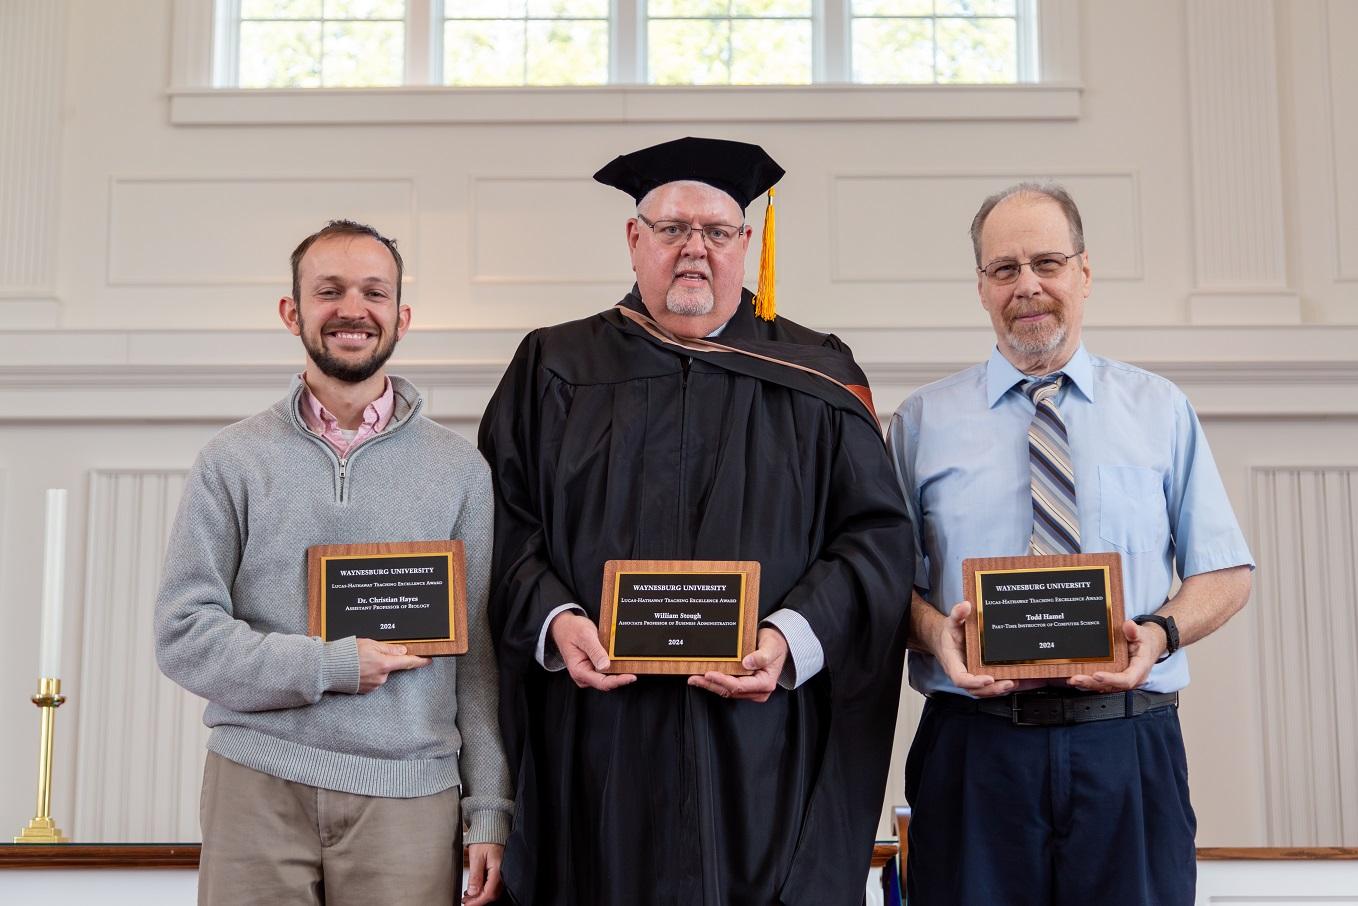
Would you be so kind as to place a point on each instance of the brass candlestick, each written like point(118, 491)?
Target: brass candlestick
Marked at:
point(42, 829)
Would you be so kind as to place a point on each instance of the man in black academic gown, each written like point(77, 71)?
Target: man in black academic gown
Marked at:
point(682, 424)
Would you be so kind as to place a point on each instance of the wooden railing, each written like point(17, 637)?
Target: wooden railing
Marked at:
point(185, 855)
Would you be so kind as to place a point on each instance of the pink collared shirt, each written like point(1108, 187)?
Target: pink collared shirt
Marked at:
point(320, 422)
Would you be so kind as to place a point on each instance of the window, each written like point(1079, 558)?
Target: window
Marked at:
point(940, 41)
point(726, 42)
point(376, 43)
point(525, 42)
point(318, 43)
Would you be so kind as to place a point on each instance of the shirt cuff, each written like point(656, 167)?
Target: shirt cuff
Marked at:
point(547, 655)
point(805, 656)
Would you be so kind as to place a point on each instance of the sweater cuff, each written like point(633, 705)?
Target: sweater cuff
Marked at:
point(487, 825)
point(339, 666)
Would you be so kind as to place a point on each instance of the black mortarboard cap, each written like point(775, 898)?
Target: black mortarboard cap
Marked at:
point(739, 169)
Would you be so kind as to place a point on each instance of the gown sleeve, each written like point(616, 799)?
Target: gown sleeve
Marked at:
point(525, 588)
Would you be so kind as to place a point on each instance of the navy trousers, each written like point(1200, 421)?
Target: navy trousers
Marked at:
point(1047, 816)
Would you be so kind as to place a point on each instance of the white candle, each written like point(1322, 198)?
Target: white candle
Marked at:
point(53, 574)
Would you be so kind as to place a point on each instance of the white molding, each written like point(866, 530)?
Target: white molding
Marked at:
point(205, 376)
point(623, 104)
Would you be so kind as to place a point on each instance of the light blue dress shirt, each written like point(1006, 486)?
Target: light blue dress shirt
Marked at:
point(1145, 483)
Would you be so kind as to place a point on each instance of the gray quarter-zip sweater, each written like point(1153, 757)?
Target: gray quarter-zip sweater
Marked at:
point(231, 616)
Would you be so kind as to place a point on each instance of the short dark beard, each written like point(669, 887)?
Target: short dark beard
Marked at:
point(343, 371)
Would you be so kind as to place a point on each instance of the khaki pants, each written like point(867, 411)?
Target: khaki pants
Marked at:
point(272, 841)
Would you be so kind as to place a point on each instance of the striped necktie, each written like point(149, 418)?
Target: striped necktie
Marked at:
point(1056, 520)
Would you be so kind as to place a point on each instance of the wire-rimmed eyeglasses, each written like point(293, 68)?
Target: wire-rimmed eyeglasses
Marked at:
point(1007, 270)
point(676, 232)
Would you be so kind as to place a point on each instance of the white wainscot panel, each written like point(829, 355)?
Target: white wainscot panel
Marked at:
point(885, 227)
point(1343, 25)
point(141, 739)
point(229, 232)
point(528, 231)
point(1277, 883)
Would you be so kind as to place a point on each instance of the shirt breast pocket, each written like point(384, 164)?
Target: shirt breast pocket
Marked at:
point(1132, 514)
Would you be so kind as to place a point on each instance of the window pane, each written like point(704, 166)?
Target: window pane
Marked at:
point(661, 9)
point(483, 53)
point(280, 54)
point(892, 7)
point(280, 9)
point(568, 9)
point(688, 52)
point(362, 54)
point(976, 8)
point(770, 52)
point(365, 9)
point(485, 9)
point(977, 50)
point(893, 50)
point(567, 53)
point(771, 8)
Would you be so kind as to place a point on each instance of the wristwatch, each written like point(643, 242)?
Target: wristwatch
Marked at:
point(1165, 623)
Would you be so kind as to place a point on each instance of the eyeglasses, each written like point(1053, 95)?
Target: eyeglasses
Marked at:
point(1006, 270)
point(676, 232)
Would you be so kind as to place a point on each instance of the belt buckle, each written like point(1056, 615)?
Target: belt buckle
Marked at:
point(1016, 700)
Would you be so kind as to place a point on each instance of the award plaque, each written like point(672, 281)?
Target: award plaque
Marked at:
point(1048, 616)
point(411, 593)
point(679, 616)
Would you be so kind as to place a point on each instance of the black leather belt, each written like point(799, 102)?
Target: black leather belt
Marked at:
point(1059, 707)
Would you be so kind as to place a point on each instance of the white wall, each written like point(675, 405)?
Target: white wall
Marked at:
point(1211, 148)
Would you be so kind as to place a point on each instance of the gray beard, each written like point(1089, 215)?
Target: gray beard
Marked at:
point(1038, 345)
point(691, 308)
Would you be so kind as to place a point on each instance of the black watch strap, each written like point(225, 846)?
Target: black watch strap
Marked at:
point(1167, 624)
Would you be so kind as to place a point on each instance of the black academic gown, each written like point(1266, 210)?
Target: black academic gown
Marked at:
point(607, 444)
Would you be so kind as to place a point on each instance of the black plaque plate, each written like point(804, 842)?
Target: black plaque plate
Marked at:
point(410, 593)
point(1045, 616)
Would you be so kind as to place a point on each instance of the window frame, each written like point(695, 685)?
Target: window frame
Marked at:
point(203, 57)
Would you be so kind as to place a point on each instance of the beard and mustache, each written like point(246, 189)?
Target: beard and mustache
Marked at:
point(1036, 339)
point(682, 301)
point(331, 365)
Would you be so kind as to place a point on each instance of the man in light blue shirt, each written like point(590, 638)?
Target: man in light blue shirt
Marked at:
point(1018, 798)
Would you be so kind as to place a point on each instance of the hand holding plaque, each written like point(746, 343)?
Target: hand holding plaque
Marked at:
point(679, 616)
point(408, 592)
point(1043, 617)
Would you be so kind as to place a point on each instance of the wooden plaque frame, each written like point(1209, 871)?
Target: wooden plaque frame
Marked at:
point(457, 587)
point(686, 666)
point(1055, 667)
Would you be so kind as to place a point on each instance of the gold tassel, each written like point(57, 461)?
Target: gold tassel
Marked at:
point(764, 301)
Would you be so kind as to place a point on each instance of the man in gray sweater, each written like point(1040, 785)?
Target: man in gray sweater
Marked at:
point(341, 771)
